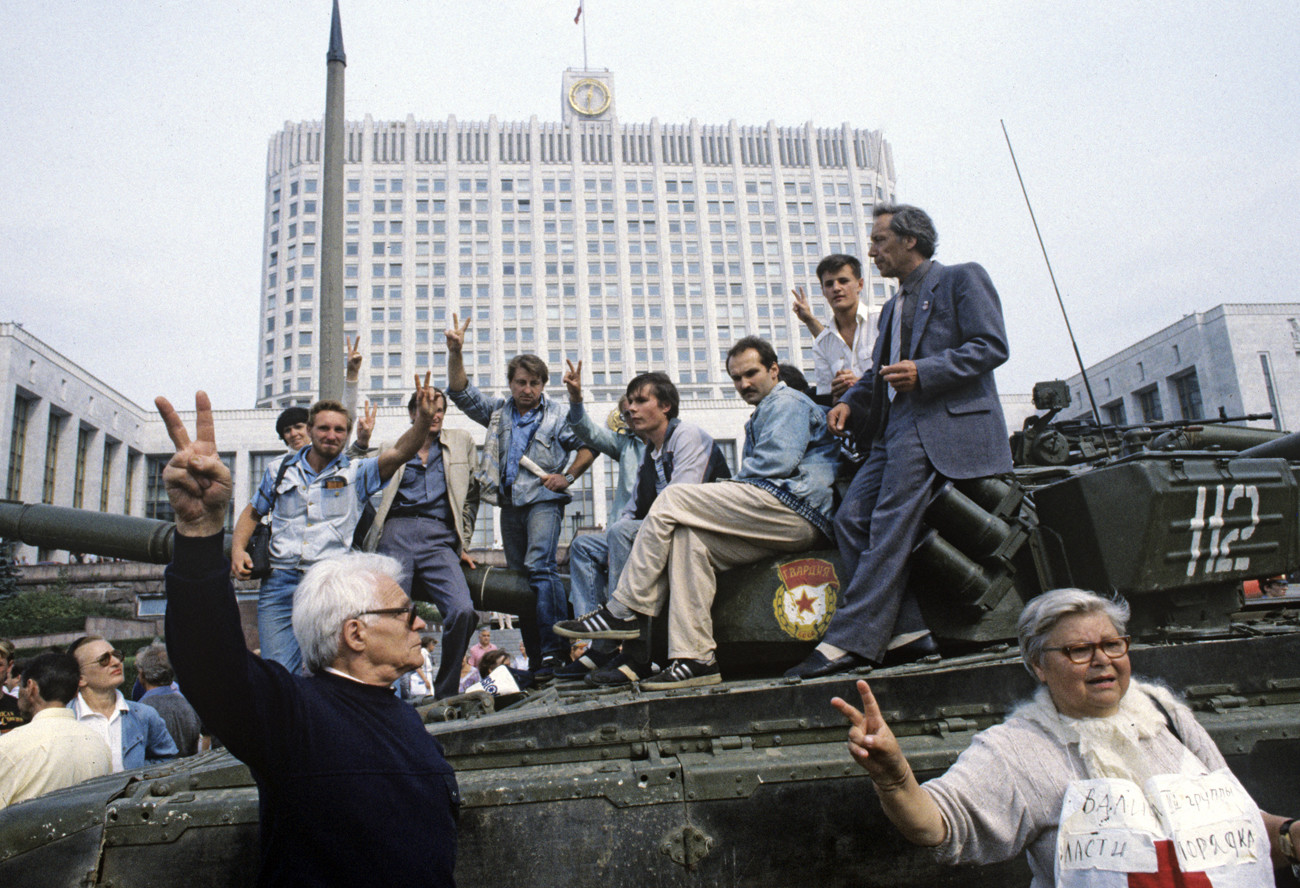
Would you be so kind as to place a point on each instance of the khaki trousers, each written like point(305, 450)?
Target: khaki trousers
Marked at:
point(692, 532)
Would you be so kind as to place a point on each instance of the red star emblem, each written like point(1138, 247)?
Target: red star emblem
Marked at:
point(805, 603)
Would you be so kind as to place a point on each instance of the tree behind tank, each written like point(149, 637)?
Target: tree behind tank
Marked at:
point(8, 571)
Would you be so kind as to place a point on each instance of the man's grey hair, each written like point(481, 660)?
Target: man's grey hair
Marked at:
point(1041, 615)
point(154, 666)
point(331, 593)
point(910, 221)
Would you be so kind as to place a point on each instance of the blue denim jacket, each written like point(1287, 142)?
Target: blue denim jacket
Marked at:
point(625, 447)
point(314, 516)
point(790, 452)
point(550, 447)
point(145, 740)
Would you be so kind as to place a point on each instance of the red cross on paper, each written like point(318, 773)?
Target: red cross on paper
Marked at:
point(1168, 874)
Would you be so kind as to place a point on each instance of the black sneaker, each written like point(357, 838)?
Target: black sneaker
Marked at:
point(598, 624)
point(578, 669)
point(547, 670)
point(621, 670)
point(684, 674)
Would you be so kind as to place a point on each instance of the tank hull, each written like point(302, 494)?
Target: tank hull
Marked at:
point(748, 784)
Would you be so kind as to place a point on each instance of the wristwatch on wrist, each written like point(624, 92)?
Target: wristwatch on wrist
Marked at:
point(1288, 847)
point(570, 478)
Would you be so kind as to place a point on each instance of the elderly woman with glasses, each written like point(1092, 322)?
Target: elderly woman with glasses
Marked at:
point(1097, 777)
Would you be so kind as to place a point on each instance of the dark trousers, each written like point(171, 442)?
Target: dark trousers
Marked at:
point(431, 572)
point(876, 528)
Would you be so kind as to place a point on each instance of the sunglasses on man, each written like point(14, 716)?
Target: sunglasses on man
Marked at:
point(107, 657)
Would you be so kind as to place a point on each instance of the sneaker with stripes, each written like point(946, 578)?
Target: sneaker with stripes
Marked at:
point(684, 674)
point(598, 624)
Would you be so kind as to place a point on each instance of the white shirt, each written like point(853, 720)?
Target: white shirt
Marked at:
point(418, 686)
point(108, 728)
point(51, 752)
point(831, 353)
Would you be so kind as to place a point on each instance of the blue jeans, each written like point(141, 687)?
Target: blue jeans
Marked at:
point(588, 572)
point(530, 535)
point(275, 619)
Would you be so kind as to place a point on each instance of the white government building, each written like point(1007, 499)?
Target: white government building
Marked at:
point(631, 246)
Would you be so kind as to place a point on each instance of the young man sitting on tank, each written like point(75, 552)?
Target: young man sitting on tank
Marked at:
point(780, 501)
point(674, 453)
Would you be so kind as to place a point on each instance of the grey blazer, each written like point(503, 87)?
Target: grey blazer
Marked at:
point(958, 337)
point(458, 462)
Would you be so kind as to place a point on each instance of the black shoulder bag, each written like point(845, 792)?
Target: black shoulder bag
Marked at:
point(259, 544)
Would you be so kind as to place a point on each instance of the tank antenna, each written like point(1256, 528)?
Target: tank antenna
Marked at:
point(1092, 402)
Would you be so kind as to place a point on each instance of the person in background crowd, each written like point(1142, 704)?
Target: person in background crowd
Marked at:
point(155, 671)
point(10, 717)
point(136, 734)
point(53, 750)
point(468, 674)
point(484, 645)
point(421, 684)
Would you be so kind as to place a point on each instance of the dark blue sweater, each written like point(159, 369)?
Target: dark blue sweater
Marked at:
point(353, 790)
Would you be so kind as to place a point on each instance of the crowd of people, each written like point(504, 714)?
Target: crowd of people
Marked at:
point(64, 718)
point(343, 763)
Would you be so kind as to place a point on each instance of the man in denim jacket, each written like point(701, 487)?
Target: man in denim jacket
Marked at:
point(779, 501)
point(523, 472)
point(314, 512)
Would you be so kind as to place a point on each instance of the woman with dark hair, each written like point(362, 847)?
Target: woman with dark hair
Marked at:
point(1090, 733)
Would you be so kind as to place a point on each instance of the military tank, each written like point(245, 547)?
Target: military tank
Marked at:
point(748, 782)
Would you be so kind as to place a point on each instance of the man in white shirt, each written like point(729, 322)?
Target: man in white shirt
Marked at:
point(53, 750)
point(135, 733)
point(842, 351)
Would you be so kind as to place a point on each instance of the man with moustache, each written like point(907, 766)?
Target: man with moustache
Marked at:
point(314, 497)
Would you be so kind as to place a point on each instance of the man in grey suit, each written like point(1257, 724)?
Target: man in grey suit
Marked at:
point(932, 413)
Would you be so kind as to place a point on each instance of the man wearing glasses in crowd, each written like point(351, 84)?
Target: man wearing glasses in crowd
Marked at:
point(346, 772)
point(135, 733)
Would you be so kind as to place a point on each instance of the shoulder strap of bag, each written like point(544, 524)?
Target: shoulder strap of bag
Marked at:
point(275, 488)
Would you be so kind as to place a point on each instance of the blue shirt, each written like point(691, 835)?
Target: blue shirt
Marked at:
point(423, 489)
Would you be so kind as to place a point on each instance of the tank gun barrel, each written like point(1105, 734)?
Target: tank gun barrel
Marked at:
point(1286, 447)
point(81, 530)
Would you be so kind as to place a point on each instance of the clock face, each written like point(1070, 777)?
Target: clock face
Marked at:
point(589, 97)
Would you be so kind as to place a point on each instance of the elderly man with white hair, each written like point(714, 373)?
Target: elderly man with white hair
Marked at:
point(354, 791)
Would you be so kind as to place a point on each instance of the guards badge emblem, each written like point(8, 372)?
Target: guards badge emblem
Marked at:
point(806, 599)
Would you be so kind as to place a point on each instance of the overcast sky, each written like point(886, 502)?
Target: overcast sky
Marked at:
point(1158, 141)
